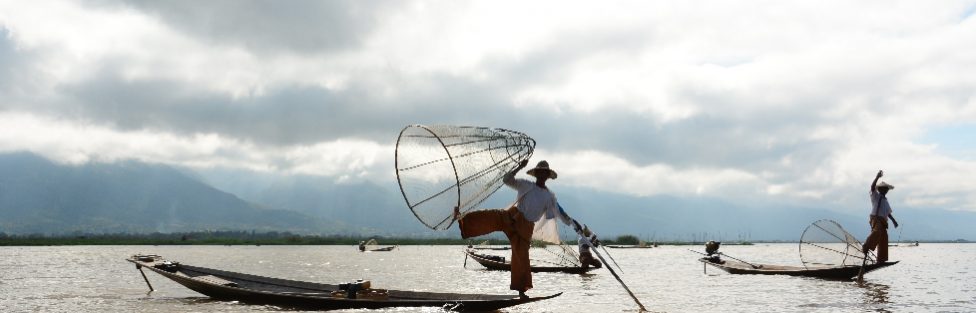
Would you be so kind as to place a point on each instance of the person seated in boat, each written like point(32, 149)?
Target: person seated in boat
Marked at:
point(535, 204)
point(362, 246)
point(585, 256)
point(880, 214)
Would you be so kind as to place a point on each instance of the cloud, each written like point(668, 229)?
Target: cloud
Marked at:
point(781, 100)
point(72, 142)
point(268, 27)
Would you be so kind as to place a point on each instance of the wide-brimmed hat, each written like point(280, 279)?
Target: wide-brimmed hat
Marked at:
point(543, 165)
point(885, 185)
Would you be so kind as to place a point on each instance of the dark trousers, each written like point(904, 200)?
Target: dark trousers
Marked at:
point(587, 260)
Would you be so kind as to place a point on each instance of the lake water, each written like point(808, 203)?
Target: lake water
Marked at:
point(930, 278)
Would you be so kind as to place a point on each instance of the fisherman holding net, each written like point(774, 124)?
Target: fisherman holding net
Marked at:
point(535, 208)
point(880, 213)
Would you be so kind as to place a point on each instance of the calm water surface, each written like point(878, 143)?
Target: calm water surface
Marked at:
point(930, 278)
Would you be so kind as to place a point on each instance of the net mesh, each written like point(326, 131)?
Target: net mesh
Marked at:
point(556, 255)
point(826, 244)
point(440, 167)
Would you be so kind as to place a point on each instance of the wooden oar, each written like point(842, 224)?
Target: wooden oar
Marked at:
point(597, 252)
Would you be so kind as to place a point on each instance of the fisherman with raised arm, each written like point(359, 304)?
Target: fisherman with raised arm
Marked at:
point(535, 204)
point(880, 213)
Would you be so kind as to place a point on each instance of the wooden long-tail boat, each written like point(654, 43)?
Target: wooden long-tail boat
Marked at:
point(829, 272)
point(497, 263)
point(246, 288)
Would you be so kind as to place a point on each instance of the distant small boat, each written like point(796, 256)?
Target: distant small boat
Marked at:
point(246, 288)
point(498, 263)
point(640, 245)
point(628, 247)
point(485, 246)
point(371, 246)
point(492, 248)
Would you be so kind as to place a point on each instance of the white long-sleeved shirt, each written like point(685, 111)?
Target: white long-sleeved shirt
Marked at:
point(535, 201)
point(882, 210)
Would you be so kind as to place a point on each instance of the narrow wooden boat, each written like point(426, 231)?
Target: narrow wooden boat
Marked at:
point(497, 263)
point(829, 272)
point(246, 288)
point(628, 247)
point(383, 249)
point(492, 248)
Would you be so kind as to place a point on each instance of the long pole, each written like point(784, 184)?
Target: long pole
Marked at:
point(597, 252)
point(139, 267)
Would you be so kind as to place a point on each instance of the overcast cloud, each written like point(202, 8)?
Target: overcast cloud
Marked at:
point(759, 101)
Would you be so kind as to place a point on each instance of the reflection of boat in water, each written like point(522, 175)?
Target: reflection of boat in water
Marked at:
point(498, 263)
point(826, 250)
point(231, 286)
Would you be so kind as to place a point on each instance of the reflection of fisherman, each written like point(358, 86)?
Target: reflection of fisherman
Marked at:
point(880, 213)
point(585, 257)
point(362, 246)
point(535, 202)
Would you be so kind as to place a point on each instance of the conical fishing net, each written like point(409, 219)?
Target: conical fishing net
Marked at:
point(440, 167)
point(554, 255)
point(826, 244)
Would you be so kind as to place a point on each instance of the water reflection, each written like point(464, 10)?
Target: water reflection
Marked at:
point(876, 296)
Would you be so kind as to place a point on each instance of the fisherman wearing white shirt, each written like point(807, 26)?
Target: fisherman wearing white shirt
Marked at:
point(536, 203)
point(880, 213)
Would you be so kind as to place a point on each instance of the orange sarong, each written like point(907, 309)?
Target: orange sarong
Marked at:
point(516, 228)
point(878, 237)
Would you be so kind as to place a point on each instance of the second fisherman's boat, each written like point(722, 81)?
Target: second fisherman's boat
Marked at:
point(826, 250)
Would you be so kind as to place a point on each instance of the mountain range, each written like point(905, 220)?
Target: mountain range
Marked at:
point(40, 196)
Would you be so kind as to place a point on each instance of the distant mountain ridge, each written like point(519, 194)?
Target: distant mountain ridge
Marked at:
point(38, 196)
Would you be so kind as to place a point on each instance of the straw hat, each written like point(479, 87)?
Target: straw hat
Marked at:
point(884, 185)
point(543, 165)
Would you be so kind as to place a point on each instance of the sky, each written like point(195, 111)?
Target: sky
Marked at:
point(797, 102)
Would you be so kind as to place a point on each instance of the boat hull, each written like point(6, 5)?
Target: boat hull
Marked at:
point(838, 273)
point(506, 266)
point(255, 289)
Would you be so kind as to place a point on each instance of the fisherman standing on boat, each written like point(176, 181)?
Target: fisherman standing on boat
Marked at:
point(536, 203)
point(585, 256)
point(880, 213)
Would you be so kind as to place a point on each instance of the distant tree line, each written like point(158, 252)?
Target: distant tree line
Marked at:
point(237, 237)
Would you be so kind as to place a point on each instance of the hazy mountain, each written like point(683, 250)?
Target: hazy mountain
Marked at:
point(368, 207)
point(37, 195)
point(609, 214)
